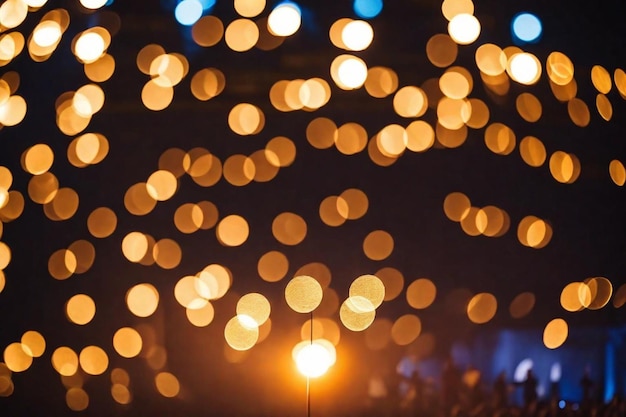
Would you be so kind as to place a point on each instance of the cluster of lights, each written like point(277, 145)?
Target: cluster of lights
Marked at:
point(284, 19)
point(309, 291)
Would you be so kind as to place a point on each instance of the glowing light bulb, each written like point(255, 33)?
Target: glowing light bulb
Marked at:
point(313, 360)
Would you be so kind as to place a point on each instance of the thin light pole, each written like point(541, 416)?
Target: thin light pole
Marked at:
point(308, 397)
point(308, 378)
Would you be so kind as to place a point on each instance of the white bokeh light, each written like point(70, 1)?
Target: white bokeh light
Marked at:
point(89, 47)
point(357, 35)
point(464, 28)
point(524, 68)
point(93, 4)
point(284, 20)
point(188, 12)
point(521, 371)
point(555, 372)
point(47, 33)
point(313, 360)
point(35, 3)
point(352, 73)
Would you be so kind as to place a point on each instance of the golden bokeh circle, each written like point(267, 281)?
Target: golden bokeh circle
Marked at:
point(421, 293)
point(555, 333)
point(93, 360)
point(255, 306)
point(232, 230)
point(378, 245)
point(303, 294)
point(241, 332)
point(127, 342)
point(482, 308)
point(289, 228)
point(406, 329)
point(370, 287)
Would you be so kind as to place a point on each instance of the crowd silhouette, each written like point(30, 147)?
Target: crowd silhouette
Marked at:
point(464, 393)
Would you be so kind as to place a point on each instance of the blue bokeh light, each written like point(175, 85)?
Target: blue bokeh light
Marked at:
point(366, 9)
point(207, 4)
point(526, 28)
point(188, 12)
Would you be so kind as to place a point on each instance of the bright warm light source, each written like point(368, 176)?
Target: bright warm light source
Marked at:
point(13, 13)
point(47, 33)
point(357, 35)
point(93, 4)
point(284, 20)
point(464, 28)
point(35, 3)
point(249, 8)
point(89, 47)
point(188, 12)
point(525, 68)
point(351, 72)
point(526, 27)
point(312, 359)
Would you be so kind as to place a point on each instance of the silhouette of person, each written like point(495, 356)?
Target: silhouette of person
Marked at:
point(473, 384)
point(530, 389)
point(450, 385)
point(417, 386)
point(500, 391)
point(586, 384)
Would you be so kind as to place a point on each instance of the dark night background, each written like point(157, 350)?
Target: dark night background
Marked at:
point(405, 199)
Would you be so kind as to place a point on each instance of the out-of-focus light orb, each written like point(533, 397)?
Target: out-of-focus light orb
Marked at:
point(33, 343)
point(451, 8)
point(313, 360)
point(93, 4)
point(47, 33)
point(89, 47)
point(367, 9)
point(522, 370)
point(303, 294)
point(284, 20)
point(526, 27)
point(525, 68)
point(35, 3)
point(13, 13)
point(249, 8)
point(12, 111)
point(555, 372)
point(352, 72)
point(555, 333)
point(464, 28)
point(207, 4)
point(16, 358)
point(188, 12)
point(357, 35)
